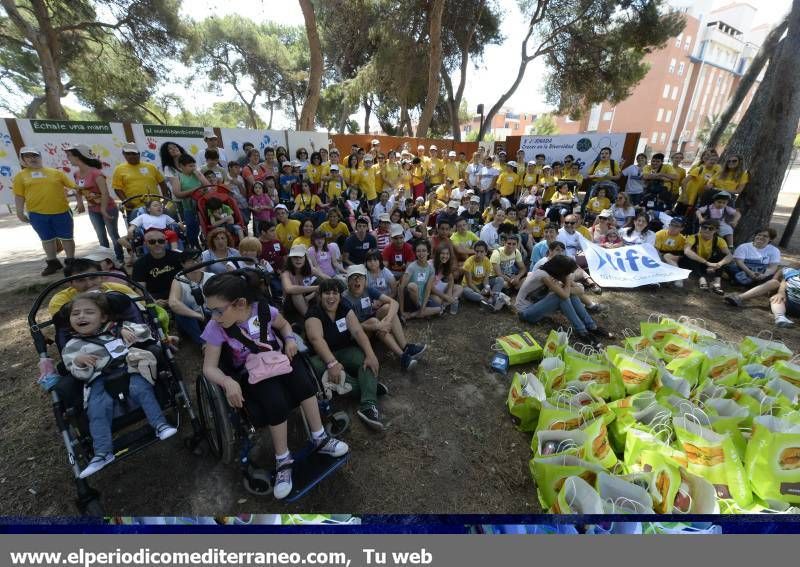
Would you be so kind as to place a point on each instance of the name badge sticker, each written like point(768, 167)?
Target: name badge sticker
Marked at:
point(143, 170)
point(116, 348)
point(37, 175)
point(341, 324)
point(366, 303)
point(253, 326)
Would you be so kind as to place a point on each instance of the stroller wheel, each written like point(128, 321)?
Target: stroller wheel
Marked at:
point(339, 423)
point(257, 481)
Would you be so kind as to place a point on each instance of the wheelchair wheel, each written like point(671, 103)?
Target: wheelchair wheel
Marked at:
point(337, 424)
point(215, 421)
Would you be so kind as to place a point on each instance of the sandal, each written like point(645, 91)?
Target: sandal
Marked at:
point(717, 288)
point(703, 284)
point(733, 300)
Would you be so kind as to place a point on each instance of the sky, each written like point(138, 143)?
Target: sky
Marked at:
point(485, 84)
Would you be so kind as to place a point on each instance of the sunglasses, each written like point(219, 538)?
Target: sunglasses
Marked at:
point(707, 228)
point(156, 241)
point(733, 161)
point(570, 223)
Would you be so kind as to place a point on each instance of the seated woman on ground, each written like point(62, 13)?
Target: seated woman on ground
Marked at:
point(299, 284)
point(342, 347)
point(622, 210)
point(326, 260)
point(706, 254)
point(549, 289)
point(377, 314)
point(92, 355)
point(445, 290)
point(755, 262)
point(189, 315)
point(378, 276)
point(720, 210)
point(306, 230)
point(557, 248)
point(670, 243)
point(602, 223)
point(416, 285)
point(636, 231)
point(785, 287)
point(233, 300)
point(219, 242)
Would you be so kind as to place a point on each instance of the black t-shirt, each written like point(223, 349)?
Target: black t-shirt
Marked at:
point(473, 220)
point(157, 274)
point(357, 249)
point(334, 331)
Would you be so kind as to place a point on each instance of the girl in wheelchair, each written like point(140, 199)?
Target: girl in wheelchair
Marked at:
point(265, 388)
point(102, 352)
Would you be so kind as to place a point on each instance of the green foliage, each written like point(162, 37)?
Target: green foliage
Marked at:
point(704, 132)
point(796, 143)
point(472, 136)
point(545, 125)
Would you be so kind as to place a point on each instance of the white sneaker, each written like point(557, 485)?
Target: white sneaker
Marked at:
point(97, 463)
point(332, 447)
point(165, 431)
point(283, 479)
point(783, 321)
point(678, 283)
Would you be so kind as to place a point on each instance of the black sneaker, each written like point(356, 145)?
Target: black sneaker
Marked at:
point(52, 267)
point(406, 362)
point(370, 416)
point(415, 351)
point(383, 389)
point(601, 333)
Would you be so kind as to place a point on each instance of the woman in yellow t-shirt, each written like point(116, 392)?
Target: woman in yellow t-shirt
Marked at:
point(530, 177)
point(404, 177)
point(732, 178)
point(706, 254)
point(307, 205)
point(696, 180)
point(508, 181)
point(314, 171)
point(351, 174)
point(391, 171)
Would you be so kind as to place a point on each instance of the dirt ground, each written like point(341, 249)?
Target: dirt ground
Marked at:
point(450, 446)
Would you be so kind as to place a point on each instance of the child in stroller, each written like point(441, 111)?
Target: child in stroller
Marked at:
point(112, 358)
point(220, 214)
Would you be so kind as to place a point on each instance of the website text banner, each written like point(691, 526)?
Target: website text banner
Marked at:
point(53, 137)
point(9, 165)
point(234, 138)
point(150, 137)
point(340, 550)
point(584, 147)
point(629, 266)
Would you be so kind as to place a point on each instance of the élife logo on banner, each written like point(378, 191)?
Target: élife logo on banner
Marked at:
point(617, 261)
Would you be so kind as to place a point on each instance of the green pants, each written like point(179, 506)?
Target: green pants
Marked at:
point(365, 384)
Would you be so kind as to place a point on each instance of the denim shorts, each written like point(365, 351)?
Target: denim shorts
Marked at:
point(50, 227)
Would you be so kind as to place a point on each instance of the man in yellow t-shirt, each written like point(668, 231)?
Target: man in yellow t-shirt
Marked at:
point(135, 177)
point(435, 166)
point(367, 180)
point(508, 180)
point(452, 168)
point(333, 183)
point(479, 280)
point(42, 191)
point(334, 229)
point(658, 172)
point(675, 160)
point(287, 229)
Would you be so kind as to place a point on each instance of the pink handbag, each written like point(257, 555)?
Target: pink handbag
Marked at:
point(266, 364)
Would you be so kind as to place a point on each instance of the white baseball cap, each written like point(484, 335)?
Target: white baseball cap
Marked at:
point(208, 133)
point(130, 148)
point(396, 230)
point(453, 204)
point(433, 147)
point(297, 251)
point(281, 206)
point(451, 153)
point(30, 150)
point(355, 270)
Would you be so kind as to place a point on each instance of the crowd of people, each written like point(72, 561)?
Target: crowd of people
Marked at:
point(354, 246)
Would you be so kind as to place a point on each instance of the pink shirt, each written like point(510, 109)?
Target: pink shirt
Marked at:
point(88, 188)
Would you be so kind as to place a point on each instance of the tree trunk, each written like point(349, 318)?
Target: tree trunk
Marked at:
point(309, 112)
point(452, 107)
point(367, 113)
point(271, 104)
point(765, 135)
point(434, 65)
point(294, 110)
point(746, 82)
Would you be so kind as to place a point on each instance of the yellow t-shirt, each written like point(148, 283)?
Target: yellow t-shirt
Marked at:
point(302, 240)
point(529, 180)
point(43, 190)
point(443, 193)
point(334, 189)
point(436, 169)
point(452, 171)
point(667, 243)
point(704, 246)
point(666, 169)
point(563, 197)
point(597, 204)
point(404, 179)
point(573, 177)
point(551, 187)
point(507, 183)
point(391, 174)
point(480, 270)
point(467, 240)
point(605, 168)
point(65, 295)
point(583, 231)
point(675, 186)
point(332, 233)
point(729, 184)
point(699, 176)
point(307, 203)
point(418, 173)
point(286, 233)
point(139, 179)
point(367, 183)
point(351, 176)
point(314, 173)
point(536, 227)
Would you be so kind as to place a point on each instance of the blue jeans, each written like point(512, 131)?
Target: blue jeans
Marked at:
point(572, 308)
point(106, 229)
point(100, 410)
point(191, 327)
point(192, 227)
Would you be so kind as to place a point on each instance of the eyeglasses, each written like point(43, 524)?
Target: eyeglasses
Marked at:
point(570, 223)
point(156, 241)
point(733, 161)
point(707, 228)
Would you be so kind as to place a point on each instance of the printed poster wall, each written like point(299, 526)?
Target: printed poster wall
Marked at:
point(584, 147)
point(307, 140)
point(150, 137)
point(9, 165)
point(234, 138)
point(52, 137)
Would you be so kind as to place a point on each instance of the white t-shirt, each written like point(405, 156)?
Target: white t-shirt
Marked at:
point(572, 242)
point(533, 282)
point(750, 254)
point(633, 236)
point(487, 175)
point(490, 236)
point(621, 215)
point(635, 184)
point(473, 170)
point(146, 221)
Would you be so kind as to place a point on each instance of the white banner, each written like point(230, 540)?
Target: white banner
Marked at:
point(51, 137)
point(585, 147)
point(311, 141)
point(150, 137)
point(629, 266)
point(234, 138)
point(9, 165)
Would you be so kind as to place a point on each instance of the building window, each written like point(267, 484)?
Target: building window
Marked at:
point(681, 67)
point(654, 138)
point(507, 126)
point(665, 94)
point(687, 42)
point(672, 64)
point(674, 93)
point(607, 116)
point(668, 118)
point(659, 115)
point(663, 137)
point(679, 39)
